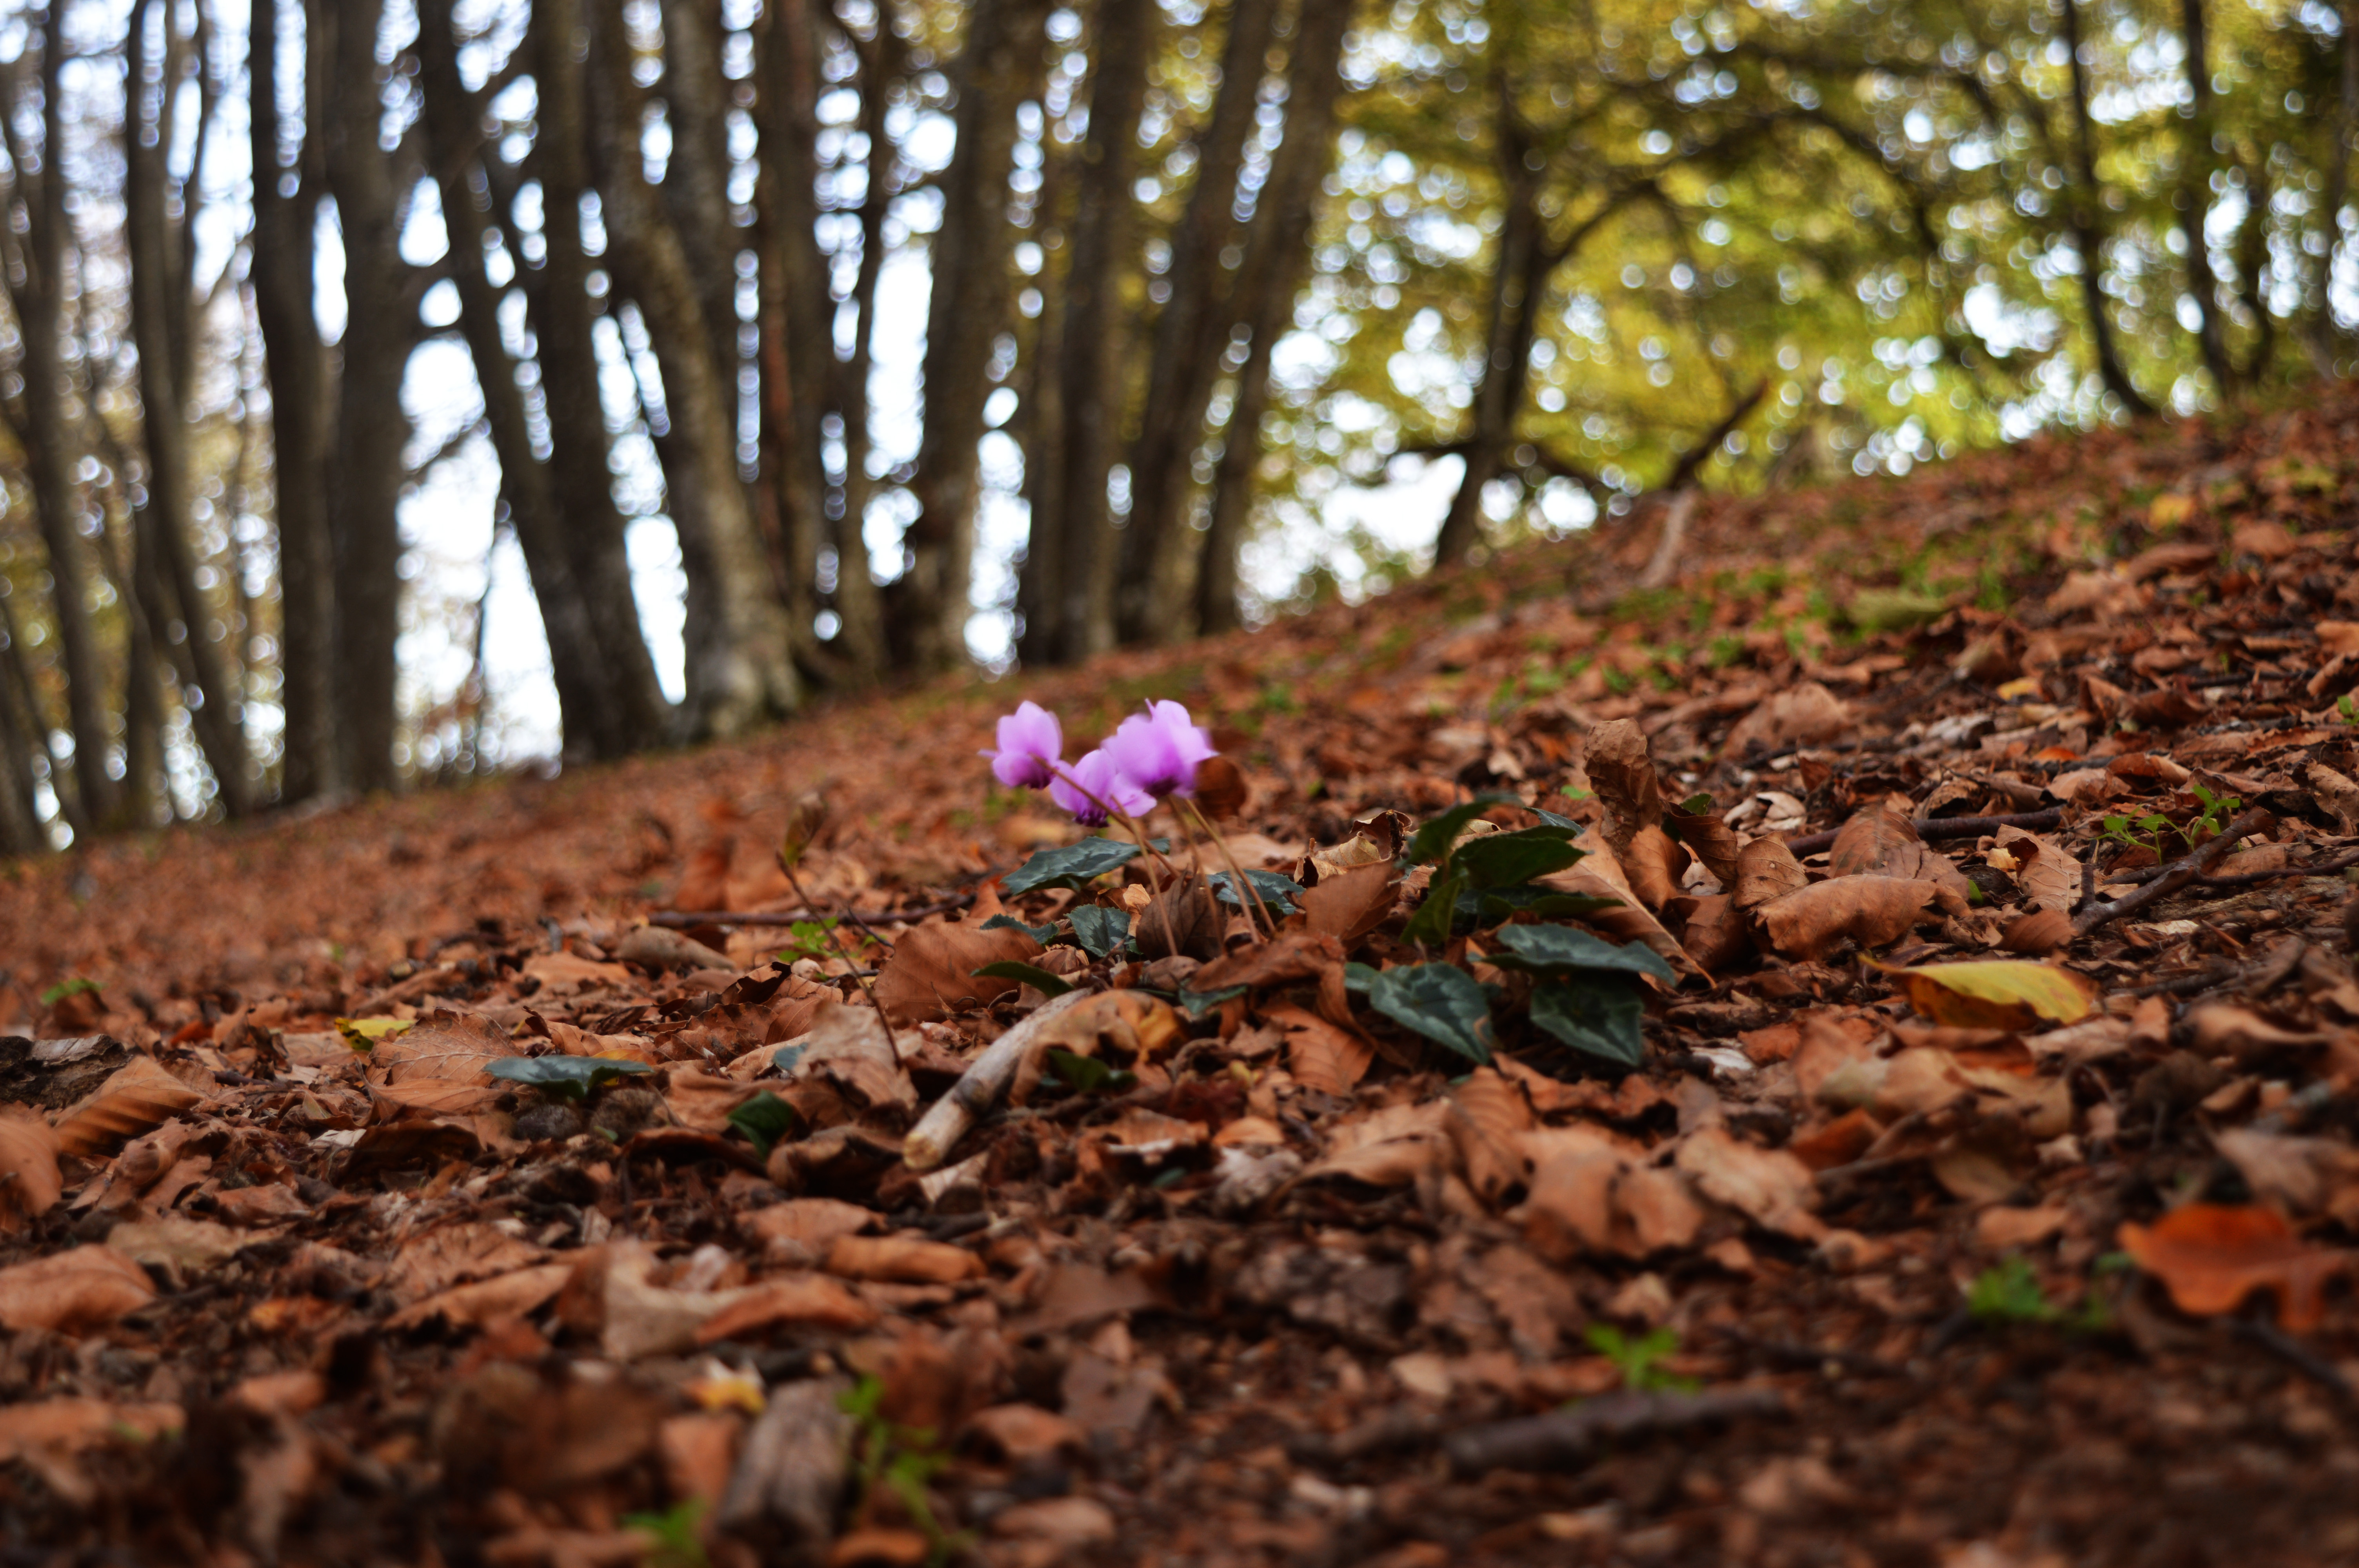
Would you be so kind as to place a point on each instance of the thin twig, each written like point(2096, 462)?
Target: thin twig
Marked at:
point(2183, 873)
point(834, 934)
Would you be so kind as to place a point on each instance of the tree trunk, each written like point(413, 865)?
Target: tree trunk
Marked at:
point(2086, 200)
point(596, 724)
point(300, 414)
point(371, 427)
point(1039, 428)
point(156, 283)
point(1152, 602)
point(2195, 199)
point(741, 667)
point(563, 317)
point(89, 799)
point(696, 178)
point(2325, 338)
point(20, 725)
point(1103, 232)
point(798, 341)
point(1275, 255)
point(968, 309)
point(865, 642)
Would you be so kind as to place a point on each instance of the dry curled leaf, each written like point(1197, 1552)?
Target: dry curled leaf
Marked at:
point(901, 1260)
point(1349, 904)
point(437, 1065)
point(1765, 872)
point(138, 1097)
point(1881, 842)
point(72, 1293)
point(29, 1182)
point(931, 973)
point(2212, 1256)
point(1622, 770)
point(1321, 1056)
point(1812, 922)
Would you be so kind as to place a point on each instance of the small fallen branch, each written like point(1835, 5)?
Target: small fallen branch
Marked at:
point(1932, 830)
point(979, 1087)
point(2181, 874)
point(682, 919)
point(1569, 1437)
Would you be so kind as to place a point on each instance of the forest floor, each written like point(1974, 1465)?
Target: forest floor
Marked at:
point(378, 1187)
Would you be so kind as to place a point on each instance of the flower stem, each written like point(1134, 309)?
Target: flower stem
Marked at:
point(1245, 883)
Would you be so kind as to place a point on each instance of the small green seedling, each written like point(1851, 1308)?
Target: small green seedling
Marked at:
point(809, 940)
point(902, 1459)
point(1638, 1358)
point(2010, 1293)
point(2208, 823)
point(677, 1545)
point(64, 988)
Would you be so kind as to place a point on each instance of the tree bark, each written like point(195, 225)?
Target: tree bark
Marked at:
point(596, 724)
point(1275, 255)
point(1152, 602)
point(696, 180)
point(1103, 232)
point(159, 295)
point(2084, 203)
point(300, 414)
point(2325, 338)
point(866, 640)
point(1039, 428)
point(563, 317)
point(20, 727)
point(2195, 199)
point(372, 426)
point(38, 199)
point(741, 668)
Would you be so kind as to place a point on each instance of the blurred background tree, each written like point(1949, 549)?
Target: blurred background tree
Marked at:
point(786, 347)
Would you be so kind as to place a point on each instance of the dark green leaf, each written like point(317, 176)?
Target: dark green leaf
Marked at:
point(1553, 820)
point(1506, 860)
point(1442, 1003)
point(764, 1119)
point(571, 1076)
point(1567, 905)
point(788, 1058)
point(1696, 805)
point(1031, 975)
point(1100, 931)
point(1358, 977)
point(1043, 934)
point(1068, 866)
point(1596, 1013)
point(1555, 949)
point(1431, 922)
point(1276, 890)
point(1087, 1074)
point(1196, 1004)
point(1433, 841)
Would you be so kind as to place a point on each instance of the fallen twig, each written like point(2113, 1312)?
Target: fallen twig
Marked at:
point(1932, 828)
point(2180, 874)
point(979, 1087)
point(1569, 1437)
point(682, 919)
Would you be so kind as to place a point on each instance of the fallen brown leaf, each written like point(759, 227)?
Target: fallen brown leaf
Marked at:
point(2212, 1256)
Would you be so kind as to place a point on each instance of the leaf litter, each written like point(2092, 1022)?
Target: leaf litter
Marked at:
point(1630, 1081)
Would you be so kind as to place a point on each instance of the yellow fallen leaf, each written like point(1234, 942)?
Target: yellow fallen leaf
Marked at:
point(1999, 993)
point(360, 1033)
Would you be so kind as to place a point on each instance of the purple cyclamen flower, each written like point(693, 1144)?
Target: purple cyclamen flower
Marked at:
point(1096, 775)
point(1159, 748)
point(1030, 745)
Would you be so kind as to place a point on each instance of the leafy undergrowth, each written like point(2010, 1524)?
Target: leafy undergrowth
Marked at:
point(1843, 1057)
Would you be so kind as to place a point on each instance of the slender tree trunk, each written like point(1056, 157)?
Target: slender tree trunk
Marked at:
point(2195, 199)
point(301, 415)
point(865, 642)
point(20, 723)
point(1275, 255)
point(2084, 203)
point(564, 316)
point(969, 306)
point(1104, 235)
point(2324, 338)
point(741, 667)
point(1191, 334)
point(696, 178)
point(595, 722)
point(1516, 282)
point(218, 716)
point(39, 301)
point(371, 427)
point(2253, 268)
point(798, 340)
point(1040, 429)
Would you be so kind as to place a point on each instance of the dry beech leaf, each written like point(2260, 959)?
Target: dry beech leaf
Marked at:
point(1599, 874)
point(1347, 904)
point(2211, 1256)
point(1999, 993)
point(437, 1065)
point(30, 1180)
point(1390, 1148)
point(1708, 837)
point(1320, 1057)
point(1716, 934)
point(454, 1254)
point(1765, 872)
point(72, 1293)
point(1880, 842)
point(61, 1426)
point(2302, 1175)
point(2045, 871)
point(931, 973)
point(2037, 934)
point(1803, 713)
point(473, 1305)
point(1220, 789)
point(901, 1260)
point(1621, 771)
point(793, 1300)
point(848, 1052)
point(1182, 921)
point(1769, 1187)
point(1488, 1116)
point(1654, 864)
point(800, 1230)
point(139, 1097)
point(1870, 910)
point(703, 1100)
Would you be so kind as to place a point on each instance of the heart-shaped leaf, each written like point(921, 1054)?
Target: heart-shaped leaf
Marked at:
point(1100, 931)
point(1441, 1002)
point(1280, 892)
point(1043, 934)
point(571, 1076)
point(1507, 859)
point(1434, 839)
point(1068, 866)
point(1196, 1004)
point(1087, 1074)
point(764, 1119)
point(1434, 917)
point(1030, 975)
point(1596, 1013)
point(1555, 949)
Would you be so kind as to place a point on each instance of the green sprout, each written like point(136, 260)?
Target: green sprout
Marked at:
point(902, 1459)
point(677, 1545)
point(1638, 1359)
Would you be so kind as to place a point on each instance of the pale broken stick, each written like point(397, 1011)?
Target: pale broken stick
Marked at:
point(2184, 872)
point(979, 1087)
